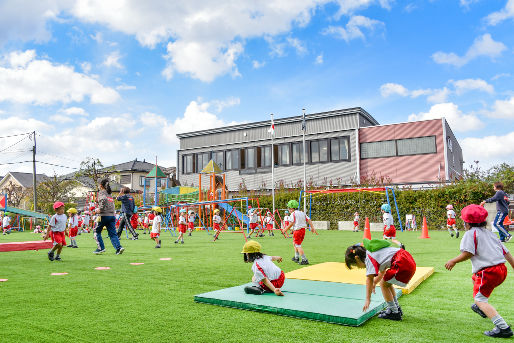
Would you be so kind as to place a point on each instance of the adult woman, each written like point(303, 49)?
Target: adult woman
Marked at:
point(106, 211)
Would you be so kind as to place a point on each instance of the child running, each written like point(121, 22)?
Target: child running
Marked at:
point(56, 230)
point(299, 221)
point(502, 210)
point(254, 220)
point(182, 227)
point(269, 223)
point(385, 265)
point(216, 221)
point(73, 227)
point(267, 277)
point(156, 226)
point(389, 229)
point(487, 255)
point(450, 221)
point(191, 221)
point(356, 222)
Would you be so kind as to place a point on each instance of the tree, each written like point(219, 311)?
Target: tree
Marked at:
point(55, 189)
point(93, 169)
point(16, 193)
point(504, 173)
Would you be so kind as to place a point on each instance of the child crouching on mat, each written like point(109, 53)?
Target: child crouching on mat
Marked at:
point(487, 255)
point(385, 265)
point(182, 228)
point(57, 230)
point(389, 229)
point(267, 277)
point(450, 221)
point(156, 226)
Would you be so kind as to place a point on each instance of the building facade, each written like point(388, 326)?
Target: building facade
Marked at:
point(342, 148)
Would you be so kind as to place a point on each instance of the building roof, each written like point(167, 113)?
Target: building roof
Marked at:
point(26, 179)
point(265, 123)
point(134, 166)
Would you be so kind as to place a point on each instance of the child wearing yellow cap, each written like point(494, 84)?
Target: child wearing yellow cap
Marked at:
point(267, 277)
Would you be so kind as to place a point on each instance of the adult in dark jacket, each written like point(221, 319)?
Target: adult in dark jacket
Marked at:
point(127, 210)
point(502, 210)
point(106, 211)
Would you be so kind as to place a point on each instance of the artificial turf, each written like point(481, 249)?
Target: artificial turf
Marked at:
point(153, 302)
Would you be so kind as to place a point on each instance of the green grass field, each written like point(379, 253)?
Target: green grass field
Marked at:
point(154, 302)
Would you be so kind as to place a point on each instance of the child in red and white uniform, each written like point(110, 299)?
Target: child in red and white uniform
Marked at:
point(356, 222)
point(156, 226)
point(182, 226)
point(216, 222)
point(269, 223)
point(253, 220)
point(191, 221)
point(299, 221)
point(134, 221)
point(286, 219)
point(146, 223)
point(86, 219)
point(6, 224)
point(487, 255)
point(73, 227)
point(267, 277)
point(57, 230)
point(389, 229)
point(385, 264)
point(450, 221)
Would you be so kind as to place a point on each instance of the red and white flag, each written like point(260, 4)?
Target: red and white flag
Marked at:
point(272, 128)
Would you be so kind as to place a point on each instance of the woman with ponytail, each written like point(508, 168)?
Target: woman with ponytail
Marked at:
point(106, 211)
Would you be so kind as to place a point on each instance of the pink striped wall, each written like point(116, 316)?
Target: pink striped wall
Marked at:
point(403, 169)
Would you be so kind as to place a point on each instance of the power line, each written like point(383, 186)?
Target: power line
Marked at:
point(19, 134)
point(10, 146)
point(55, 165)
point(3, 164)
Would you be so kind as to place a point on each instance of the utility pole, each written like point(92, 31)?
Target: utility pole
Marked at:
point(34, 171)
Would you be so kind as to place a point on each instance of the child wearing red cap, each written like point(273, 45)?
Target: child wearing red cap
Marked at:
point(56, 230)
point(487, 255)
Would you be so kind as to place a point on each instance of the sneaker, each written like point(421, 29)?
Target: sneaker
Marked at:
point(457, 234)
point(57, 258)
point(508, 238)
point(99, 251)
point(157, 246)
point(303, 262)
point(295, 259)
point(50, 255)
point(478, 311)
point(120, 251)
point(402, 246)
point(388, 314)
point(497, 332)
point(69, 246)
point(176, 241)
point(189, 234)
point(181, 242)
point(399, 311)
point(254, 290)
point(451, 234)
point(144, 233)
point(75, 246)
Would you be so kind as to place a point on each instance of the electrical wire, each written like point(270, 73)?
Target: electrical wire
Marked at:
point(10, 146)
point(19, 134)
point(56, 165)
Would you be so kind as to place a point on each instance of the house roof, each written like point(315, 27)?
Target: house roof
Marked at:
point(134, 165)
point(26, 179)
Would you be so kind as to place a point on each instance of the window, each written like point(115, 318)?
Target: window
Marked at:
point(142, 180)
point(264, 157)
point(319, 151)
point(339, 149)
point(284, 154)
point(416, 146)
point(217, 157)
point(232, 159)
point(378, 149)
point(298, 153)
point(250, 158)
point(315, 152)
point(201, 161)
point(187, 164)
point(125, 179)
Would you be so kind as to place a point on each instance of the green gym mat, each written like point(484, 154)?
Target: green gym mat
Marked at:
point(330, 302)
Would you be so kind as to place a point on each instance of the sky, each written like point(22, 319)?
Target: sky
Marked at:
point(117, 80)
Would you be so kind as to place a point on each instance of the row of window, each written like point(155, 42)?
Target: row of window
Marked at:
point(251, 159)
point(399, 147)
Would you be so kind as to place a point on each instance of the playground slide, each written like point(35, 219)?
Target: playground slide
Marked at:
point(24, 212)
point(236, 213)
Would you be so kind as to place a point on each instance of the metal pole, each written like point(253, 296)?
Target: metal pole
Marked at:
point(272, 167)
point(34, 171)
point(304, 165)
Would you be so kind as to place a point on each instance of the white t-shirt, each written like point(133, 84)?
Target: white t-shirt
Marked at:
point(156, 225)
point(191, 218)
point(485, 246)
point(450, 214)
point(268, 220)
point(6, 221)
point(216, 219)
point(58, 222)
point(86, 218)
point(181, 220)
point(379, 260)
point(286, 219)
point(147, 220)
point(73, 221)
point(299, 219)
point(265, 268)
point(253, 216)
point(388, 219)
point(356, 218)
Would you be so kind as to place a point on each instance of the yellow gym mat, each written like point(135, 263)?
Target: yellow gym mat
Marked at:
point(338, 272)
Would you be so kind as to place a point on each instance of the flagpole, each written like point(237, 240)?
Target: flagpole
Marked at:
point(272, 166)
point(304, 128)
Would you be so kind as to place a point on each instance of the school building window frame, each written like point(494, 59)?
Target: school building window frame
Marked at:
point(364, 151)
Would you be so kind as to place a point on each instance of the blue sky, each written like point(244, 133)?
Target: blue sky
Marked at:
point(117, 80)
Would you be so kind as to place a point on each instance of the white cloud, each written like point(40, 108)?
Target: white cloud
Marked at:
point(352, 30)
point(150, 119)
point(467, 3)
point(389, 89)
point(489, 150)
point(458, 121)
point(499, 76)
point(466, 85)
point(482, 46)
point(97, 37)
point(256, 64)
point(298, 45)
point(75, 111)
point(504, 14)
point(59, 118)
point(503, 109)
point(86, 67)
point(438, 95)
point(40, 82)
point(113, 60)
point(319, 59)
point(125, 87)
point(347, 7)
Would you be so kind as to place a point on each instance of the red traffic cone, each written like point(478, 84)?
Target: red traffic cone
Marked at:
point(424, 230)
point(367, 230)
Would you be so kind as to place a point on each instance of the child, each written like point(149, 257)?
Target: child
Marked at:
point(57, 230)
point(487, 255)
point(299, 220)
point(450, 221)
point(182, 228)
point(191, 221)
point(127, 209)
point(389, 229)
point(269, 223)
point(134, 221)
point(6, 224)
point(146, 222)
point(38, 229)
point(254, 220)
point(216, 221)
point(356, 222)
point(502, 210)
point(385, 264)
point(86, 219)
point(156, 226)
point(73, 227)
point(286, 219)
point(266, 275)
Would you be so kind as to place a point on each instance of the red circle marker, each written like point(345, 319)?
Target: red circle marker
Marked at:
point(3, 280)
point(165, 259)
point(102, 268)
point(137, 263)
point(56, 274)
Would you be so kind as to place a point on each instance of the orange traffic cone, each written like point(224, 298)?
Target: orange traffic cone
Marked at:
point(367, 230)
point(424, 230)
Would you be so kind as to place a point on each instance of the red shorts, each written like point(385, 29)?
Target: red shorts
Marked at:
point(278, 283)
point(58, 237)
point(402, 269)
point(216, 226)
point(133, 222)
point(154, 235)
point(286, 223)
point(391, 233)
point(355, 224)
point(74, 231)
point(298, 236)
point(269, 227)
point(8, 227)
point(253, 226)
point(191, 225)
point(450, 222)
point(145, 225)
point(489, 278)
point(182, 228)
